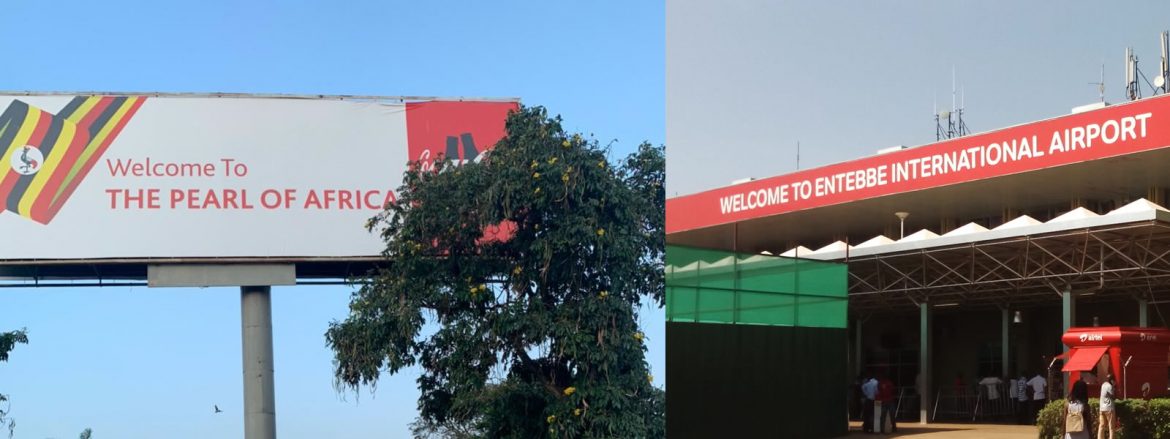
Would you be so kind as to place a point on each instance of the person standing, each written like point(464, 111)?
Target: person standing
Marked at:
point(1022, 400)
point(1038, 384)
point(1108, 415)
point(869, 391)
point(1077, 423)
point(991, 383)
point(885, 395)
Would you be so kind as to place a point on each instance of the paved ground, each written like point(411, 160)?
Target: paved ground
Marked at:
point(948, 431)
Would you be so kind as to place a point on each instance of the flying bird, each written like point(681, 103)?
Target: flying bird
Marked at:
point(217, 410)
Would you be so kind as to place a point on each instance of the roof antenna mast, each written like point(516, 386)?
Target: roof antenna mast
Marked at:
point(1160, 81)
point(950, 124)
point(1101, 85)
point(797, 155)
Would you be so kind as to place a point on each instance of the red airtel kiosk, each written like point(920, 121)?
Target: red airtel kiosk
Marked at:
point(1137, 358)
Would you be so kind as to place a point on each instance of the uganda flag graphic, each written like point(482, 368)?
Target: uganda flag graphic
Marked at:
point(45, 155)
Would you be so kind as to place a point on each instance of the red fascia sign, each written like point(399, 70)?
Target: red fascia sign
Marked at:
point(1111, 131)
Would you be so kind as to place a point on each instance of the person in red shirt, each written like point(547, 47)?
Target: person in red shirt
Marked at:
point(885, 394)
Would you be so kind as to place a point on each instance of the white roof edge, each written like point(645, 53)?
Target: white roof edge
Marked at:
point(997, 233)
point(875, 241)
point(1139, 205)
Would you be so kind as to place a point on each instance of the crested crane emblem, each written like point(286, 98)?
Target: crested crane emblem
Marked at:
point(29, 160)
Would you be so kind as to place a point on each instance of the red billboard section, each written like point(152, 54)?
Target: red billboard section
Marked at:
point(460, 132)
point(1112, 131)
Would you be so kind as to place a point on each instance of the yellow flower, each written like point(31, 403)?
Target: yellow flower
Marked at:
point(516, 271)
point(565, 177)
point(650, 378)
point(536, 175)
point(551, 418)
point(534, 164)
point(600, 232)
point(601, 164)
point(603, 294)
point(576, 412)
point(570, 390)
point(537, 191)
point(552, 161)
point(638, 336)
point(565, 143)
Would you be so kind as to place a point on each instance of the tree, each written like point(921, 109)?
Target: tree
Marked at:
point(536, 332)
point(8, 342)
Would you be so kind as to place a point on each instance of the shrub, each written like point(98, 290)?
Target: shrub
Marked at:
point(1140, 419)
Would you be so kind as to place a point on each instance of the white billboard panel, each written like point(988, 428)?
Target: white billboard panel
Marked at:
point(89, 177)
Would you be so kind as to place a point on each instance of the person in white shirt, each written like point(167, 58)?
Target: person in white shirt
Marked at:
point(992, 385)
point(1038, 384)
point(1107, 414)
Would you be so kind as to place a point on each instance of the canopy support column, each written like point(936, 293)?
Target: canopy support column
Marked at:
point(925, 355)
point(1069, 305)
point(858, 364)
point(1143, 313)
point(1005, 325)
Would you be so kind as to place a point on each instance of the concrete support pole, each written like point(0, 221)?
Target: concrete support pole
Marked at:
point(925, 357)
point(1006, 322)
point(1143, 313)
point(259, 395)
point(1069, 305)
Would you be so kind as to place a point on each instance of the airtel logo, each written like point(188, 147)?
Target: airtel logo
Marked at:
point(1091, 337)
point(1147, 337)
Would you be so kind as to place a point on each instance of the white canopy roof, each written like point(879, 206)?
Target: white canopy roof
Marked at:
point(1079, 218)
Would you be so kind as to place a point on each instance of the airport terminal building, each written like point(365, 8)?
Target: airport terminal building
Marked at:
point(939, 265)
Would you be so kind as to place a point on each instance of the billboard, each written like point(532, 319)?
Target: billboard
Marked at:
point(141, 177)
point(1108, 132)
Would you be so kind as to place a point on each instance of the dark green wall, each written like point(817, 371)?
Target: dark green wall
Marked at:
point(755, 381)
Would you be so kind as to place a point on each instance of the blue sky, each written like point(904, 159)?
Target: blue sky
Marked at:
point(845, 80)
point(142, 363)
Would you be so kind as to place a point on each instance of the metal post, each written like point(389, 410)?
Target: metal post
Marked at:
point(857, 349)
point(259, 396)
point(1144, 309)
point(924, 361)
point(1005, 324)
point(1069, 305)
